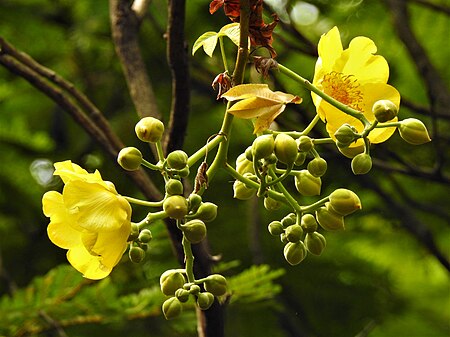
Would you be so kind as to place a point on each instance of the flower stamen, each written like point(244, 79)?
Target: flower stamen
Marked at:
point(344, 88)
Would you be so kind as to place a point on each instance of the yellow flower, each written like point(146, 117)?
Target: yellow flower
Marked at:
point(89, 218)
point(355, 77)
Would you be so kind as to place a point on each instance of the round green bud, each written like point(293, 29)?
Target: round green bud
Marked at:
point(129, 158)
point(170, 281)
point(144, 246)
point(287, 221)
point(194, 289)
point(183, 173)
point(136, 254)
point(271, 204)
point(145, 236)
point(270, 160)
point(149, 129)
point(315, 243)
point(177, 160)
point(285, 148)
point(283, 238)
point(172, 308)
point(263, 146)
point(248, 153)
point(275, 228)
point(344, 202)
point(361, 163)
point(309, 223)
point(174, 187)
point(294, 233)
point(304, 144)
point(345, 135)
point(243, 165)
point(176, 206)
point(194, 230)
point(241, 191)
point(205, 300)
point(413, 131)
point(306, 184)
point(317, 167)
point(194, 202)
point(182, 295)
point(294, 252)
point(206, 212)
point(329, 220)
point(384, 110)
point(300, 159)
point(216, 284)
point(134, 233)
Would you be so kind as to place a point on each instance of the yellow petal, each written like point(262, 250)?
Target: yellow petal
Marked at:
point(263, 122)
point(253, 107)
point(69, 171)
point(95, 208)
point(87, 264)
point(111, 245)
point(330, 49)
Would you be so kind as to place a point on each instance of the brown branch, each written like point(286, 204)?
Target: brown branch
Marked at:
point(434, 6)
point(423, 110)
point(124, 27)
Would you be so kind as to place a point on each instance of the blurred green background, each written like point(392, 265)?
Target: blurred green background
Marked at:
point(387, 275)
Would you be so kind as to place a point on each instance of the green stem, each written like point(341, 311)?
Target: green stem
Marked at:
point(151, 217)
point(150, 165)
point(388, 125)
point(144, 202)
point(222, 51)
point(189, 259)
point(201, 153)
point(160, 151)
point(323, 141)
point(311, 125)
point(289, 198)
point(314, 206)
point(285, 173)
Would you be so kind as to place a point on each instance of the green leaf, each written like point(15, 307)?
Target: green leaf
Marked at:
point(232, 31)
point(208, 41)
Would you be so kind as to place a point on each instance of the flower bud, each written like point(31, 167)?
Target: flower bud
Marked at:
point(176, 206)
point(205, 300)
point(248, 153)
point(172, 308)
point(413, 131)
point(329, 220)
point(149, 129)
point(275, 228)
point(306, 184)
point(194, 230)
point(194, 202)
point(183, 173)
point(317, 167)
point(271, 204)
point(145, 236)
point(216, 284)
point(177, 160)
point(315, 243)
point(194, 289)
point(344, 202)
point(270, 160)
point(294, 252)
point(263, 146)
point(309, 223)
point(170, 281)
point(285, 148)
point(304, 144)
point(206, 212)
point(129, 158)
point(361, 163)
point(136, 254)
point(283, 238)
point(134, 233)
point(241, 191)
point(384, 110)
point(350, 152)
point(182, 295)
point(288, 221)
point(301, 157)
point(294, 233)
point(243, 165)
point(174, 187)
point(345, 135)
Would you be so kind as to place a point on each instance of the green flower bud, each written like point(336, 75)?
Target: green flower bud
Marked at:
point(144, 246)
point(145, 236)
point(149, 129)
point(182, 295)
point(270, 160)
point(174, 187)
point(242, 192)
point(384, 110)
point(361, 163)
point(136, 254)
point(413, 131)
point(294, 252)
point(306, 184)
point(248, 153)
point(309, 223)
point(300, 160)
point(263, 146)
point(294, 233)
point(317, 167)
point(205, 300)
point(271, 204)
point(275, 228)
point(288, 221)
point(344, 202)
point(134, 233)
point(243, 165)
point(206, 212)
point(183, 173)
point(285, 148)
point(194, 289)
point(350, 152)
point(129, 158)
point(216, 284)
point(304, 144)
point(177, 160)
point(283, 238)
point(170, 281)
point(194, 230)
point(172, 308)
point(315, 243)
point(329, 220)
point(345, 135)
point(194, 202)
point(176, 206)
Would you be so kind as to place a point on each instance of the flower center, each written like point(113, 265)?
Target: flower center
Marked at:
point(344, 88)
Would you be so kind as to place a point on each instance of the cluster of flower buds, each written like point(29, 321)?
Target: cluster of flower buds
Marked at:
point(139, 241)
point(174, 284)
